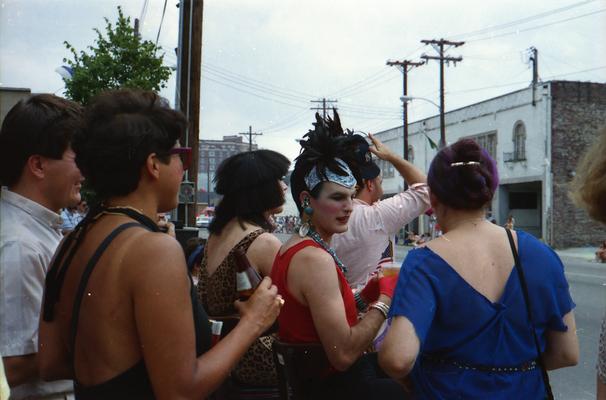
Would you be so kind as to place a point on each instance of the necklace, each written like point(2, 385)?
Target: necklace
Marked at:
point(315, 236)
point(133, 213)
point(474, 221)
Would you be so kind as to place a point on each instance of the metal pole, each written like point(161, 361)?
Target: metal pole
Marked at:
point(442, 123)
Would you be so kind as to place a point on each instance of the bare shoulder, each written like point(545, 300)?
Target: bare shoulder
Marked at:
point(266, 242)
point(314, 259)
point(153, 254)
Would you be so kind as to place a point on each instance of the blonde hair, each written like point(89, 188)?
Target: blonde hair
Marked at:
point(588, 188)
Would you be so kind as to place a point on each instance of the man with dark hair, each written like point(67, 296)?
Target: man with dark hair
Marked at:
point(39, 176)
point(374, 222)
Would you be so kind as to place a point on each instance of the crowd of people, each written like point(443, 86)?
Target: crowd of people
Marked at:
point(116, 308)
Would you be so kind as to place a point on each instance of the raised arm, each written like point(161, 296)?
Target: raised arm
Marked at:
point(312, 272)
point(408, 170)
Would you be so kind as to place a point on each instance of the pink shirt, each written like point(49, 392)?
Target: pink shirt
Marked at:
point(370, 228)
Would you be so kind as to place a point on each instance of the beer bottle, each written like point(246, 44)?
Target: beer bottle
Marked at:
point(247, 278)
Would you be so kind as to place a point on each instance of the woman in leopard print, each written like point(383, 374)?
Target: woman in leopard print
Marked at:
point(252, 192)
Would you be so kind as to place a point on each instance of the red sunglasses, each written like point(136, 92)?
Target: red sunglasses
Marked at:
point(185, 155)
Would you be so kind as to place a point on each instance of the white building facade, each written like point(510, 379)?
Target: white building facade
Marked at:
point(517, 131)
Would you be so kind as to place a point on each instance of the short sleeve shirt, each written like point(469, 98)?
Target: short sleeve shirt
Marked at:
point(29, 236)
point(453, 321)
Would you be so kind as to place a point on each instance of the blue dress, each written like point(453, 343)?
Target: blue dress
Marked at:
point(455, 322)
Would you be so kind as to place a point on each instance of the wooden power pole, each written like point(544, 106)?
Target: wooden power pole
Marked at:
point(439, 47)
point(188, 99)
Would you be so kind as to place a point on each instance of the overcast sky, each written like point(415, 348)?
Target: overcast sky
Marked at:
point(264, 60)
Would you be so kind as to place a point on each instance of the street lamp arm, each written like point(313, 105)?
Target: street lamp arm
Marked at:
point(411, 98)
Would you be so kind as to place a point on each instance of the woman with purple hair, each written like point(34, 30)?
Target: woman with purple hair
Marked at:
point(480, 312)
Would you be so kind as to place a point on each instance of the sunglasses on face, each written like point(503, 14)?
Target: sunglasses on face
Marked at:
point(184, 154)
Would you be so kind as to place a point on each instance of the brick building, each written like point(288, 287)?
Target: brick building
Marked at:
point(536, 136)
point(211, 153)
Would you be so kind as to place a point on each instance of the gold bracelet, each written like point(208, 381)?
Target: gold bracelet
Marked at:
point(382, 307)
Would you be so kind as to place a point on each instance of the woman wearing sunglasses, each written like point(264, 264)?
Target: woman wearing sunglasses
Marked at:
point(120, 314)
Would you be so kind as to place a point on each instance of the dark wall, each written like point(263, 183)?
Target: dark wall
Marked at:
point(578, 111)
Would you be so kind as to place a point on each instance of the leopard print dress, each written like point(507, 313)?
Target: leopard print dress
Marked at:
point(217, 292)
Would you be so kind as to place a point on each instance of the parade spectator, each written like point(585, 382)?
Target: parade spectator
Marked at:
point(600, 254)
point(589, 191)
point(194, 250)
point(320, 306)
point(39, 177)
point(374, 222)
point(460, 326)
point(252, 189)
point(70, 217)
point(132, 328)
point(510, 223)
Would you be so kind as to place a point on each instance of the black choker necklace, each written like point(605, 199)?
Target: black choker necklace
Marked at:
point(133, 213)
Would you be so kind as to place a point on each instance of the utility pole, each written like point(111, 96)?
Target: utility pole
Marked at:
point(188, 94)
point(439, 47)
point(404, 66)
point(250, 134)
point(323, 108)
point(534, 59)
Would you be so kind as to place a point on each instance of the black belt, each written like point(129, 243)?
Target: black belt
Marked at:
point(525, 367)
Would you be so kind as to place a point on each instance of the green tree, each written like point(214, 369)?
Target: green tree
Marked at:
point(120, 59)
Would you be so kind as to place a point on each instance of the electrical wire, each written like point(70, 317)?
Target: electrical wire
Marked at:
point(161, 22)
point(516, 32)
point(522, 20)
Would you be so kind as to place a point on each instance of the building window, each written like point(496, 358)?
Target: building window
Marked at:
point(488, 141)
point(411, 155)
point(519, 141)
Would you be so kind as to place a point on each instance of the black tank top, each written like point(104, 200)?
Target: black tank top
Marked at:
point(133, 383)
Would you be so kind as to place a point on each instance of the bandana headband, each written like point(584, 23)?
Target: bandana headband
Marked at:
point(312, 179)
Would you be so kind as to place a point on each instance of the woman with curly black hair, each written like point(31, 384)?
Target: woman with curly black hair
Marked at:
point(120, 314)
point(253, 191)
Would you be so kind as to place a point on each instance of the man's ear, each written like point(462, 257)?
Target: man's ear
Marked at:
point(36, 165)
point(369, 184)
point(152, 166)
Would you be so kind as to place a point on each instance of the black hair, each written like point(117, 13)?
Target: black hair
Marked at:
point(42, 125)
point(122, 128)
point(467, 186)
point(249, 185)
point(324, 143)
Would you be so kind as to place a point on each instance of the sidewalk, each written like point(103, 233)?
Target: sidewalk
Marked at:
point(584, 253)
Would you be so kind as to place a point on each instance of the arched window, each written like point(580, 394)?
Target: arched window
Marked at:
point(519, 141)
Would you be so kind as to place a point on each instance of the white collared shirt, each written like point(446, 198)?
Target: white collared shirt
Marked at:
point(29, 236)
point(370, 228)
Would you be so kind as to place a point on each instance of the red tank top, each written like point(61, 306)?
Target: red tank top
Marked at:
point(295, 322)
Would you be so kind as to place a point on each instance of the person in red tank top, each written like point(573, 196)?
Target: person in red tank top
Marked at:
point(319, 305)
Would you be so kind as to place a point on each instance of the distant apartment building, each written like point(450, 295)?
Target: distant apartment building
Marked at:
point(536, 135)
point(211, 154)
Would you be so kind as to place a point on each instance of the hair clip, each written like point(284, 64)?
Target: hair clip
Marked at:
point(460, 163)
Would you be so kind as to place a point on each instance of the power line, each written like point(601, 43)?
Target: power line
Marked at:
point(521, 20)
point(516, 32)
point(161, 22)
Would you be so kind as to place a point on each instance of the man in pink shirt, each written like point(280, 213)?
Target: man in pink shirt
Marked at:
point(374, 222)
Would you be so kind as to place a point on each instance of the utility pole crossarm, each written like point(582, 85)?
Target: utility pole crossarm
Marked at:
point(250, 134)
point(441, 57)
point(323, 107)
